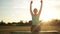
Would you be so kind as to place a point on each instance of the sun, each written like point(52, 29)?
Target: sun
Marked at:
point(46, 15)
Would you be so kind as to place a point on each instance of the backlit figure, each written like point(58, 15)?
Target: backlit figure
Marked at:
point(35, 18)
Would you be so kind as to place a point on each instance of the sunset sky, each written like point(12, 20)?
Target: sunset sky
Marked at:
point(16, 10)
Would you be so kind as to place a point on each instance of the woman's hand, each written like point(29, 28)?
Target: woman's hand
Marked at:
point(31, 2)
point(41, 1)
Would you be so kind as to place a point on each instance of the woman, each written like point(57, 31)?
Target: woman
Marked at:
point(35, 18)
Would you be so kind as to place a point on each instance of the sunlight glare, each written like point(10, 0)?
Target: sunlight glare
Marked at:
point(45, 14)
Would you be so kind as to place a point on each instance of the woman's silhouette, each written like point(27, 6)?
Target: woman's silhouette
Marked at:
point(35, 18)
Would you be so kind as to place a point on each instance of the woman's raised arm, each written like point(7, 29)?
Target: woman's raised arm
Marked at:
point(40, 8)
point(31, 7)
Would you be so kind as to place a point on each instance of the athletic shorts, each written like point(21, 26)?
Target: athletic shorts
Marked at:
point(35, 28)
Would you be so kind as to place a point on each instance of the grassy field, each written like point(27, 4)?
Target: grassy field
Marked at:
point(14, 28)
point(26, 29)
point(9, 29)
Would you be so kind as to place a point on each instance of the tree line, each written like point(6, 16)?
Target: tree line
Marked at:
point(54, 22)
point(21, 23)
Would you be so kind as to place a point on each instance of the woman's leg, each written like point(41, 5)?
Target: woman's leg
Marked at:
point(35, 29)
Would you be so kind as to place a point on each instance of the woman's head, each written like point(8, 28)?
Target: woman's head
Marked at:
point(35, 11)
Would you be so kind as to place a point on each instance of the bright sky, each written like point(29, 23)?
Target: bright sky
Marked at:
point(16, 10)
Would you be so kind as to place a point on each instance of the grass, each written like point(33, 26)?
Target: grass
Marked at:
point(20, 29)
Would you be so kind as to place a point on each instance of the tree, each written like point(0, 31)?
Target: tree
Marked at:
point(2, 23)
